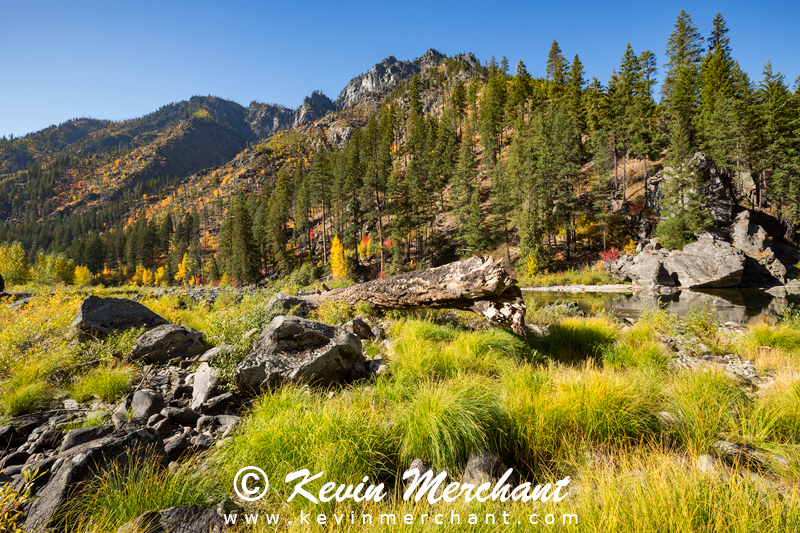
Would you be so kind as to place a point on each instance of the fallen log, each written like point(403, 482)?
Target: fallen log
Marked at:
point(480, 285)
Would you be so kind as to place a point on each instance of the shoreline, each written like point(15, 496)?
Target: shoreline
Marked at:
point(609, 288)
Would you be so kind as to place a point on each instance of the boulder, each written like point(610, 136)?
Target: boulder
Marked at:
point(285, 304)
point(214, 353)
point(359, 328)
point(181, 519)
point(749, 236)
point(483, 465)
point(206, 384)
point(706, 263)
point(647, 270)
point(294, 349)
point(182, 416)
point(79, 464)
point(146, 403)
point(167, 342)
point(99, 317)
point(79, 436)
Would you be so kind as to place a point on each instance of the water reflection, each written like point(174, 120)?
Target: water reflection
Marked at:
point(732, 305)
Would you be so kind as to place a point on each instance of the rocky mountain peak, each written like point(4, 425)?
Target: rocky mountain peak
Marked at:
point(313, 108)
point(383, 77)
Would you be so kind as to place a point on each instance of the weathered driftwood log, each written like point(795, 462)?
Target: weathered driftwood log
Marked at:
point(479, 285)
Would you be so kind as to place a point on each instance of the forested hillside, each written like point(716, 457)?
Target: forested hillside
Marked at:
point(416, 163)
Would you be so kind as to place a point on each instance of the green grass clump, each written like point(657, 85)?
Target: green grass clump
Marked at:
point(347, 437)
point(703, 322)
point(27, 398)
point(774, 336)
point(655, 491)
point(575, 339)
point(123, 492)
point(444, 422)
point(558, 411)
point(107, 382)
point(705, 404)
point(775, 416)
point(636, 347)
point(423, 351)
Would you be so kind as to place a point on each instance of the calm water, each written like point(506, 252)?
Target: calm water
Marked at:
point(734, 305)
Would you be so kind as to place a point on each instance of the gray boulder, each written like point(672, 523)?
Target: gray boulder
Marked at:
point(298, 350)
point(359, 328)
point(748, 236)
point(706, 263)
point(206, 384)
point(215, 353)
point(287, 304)
point(146, 403)
point(646, 270)
point(483, 465)
point(181, 519)
point(79, 436)
point(100, 317)
point(167, 342)
point(72, 468)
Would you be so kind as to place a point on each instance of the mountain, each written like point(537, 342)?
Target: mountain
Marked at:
point(88, 163)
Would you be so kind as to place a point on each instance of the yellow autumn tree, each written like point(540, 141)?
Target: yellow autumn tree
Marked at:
point(159, 275)
point(82, 276)
point(147, 277)
point(338, 264)
point(185, 269)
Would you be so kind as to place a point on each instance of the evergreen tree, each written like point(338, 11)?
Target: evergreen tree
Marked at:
point(244, 255)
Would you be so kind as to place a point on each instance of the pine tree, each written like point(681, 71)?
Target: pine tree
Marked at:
point(244, 257)
point(681, 85)
point(463, 178)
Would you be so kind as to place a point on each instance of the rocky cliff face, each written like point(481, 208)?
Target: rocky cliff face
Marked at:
point(313, 108)
point(385, 76)
point(267, 119)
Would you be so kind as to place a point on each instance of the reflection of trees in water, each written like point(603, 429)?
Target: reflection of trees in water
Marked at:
point(734, 305)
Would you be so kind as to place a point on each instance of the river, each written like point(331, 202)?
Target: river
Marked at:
point(733, 305)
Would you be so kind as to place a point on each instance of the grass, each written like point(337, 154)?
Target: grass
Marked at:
point(443, 423)
point(636, 347)
point(558, 412)
point(423, 351)
point(121, 494)
point(107, 383)
point(703, 323)
point(581, 399)
point(348, 438)
point(584, 276)
point(575, 339)
point(776, 413)
point(706, 404)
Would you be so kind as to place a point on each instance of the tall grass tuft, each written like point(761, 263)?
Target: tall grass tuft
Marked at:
point(107, 382)
point(444, 422)
point(347, 437)
point(558, 411)
point(705, 404)
point(122, 493)
point(424, 351)
point(776, 412)
point(575, 339)
point(636, 347)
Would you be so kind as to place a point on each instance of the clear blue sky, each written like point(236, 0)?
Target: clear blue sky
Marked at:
point(116, 60)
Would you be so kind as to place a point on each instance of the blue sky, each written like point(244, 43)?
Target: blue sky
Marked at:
point(118, 60)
